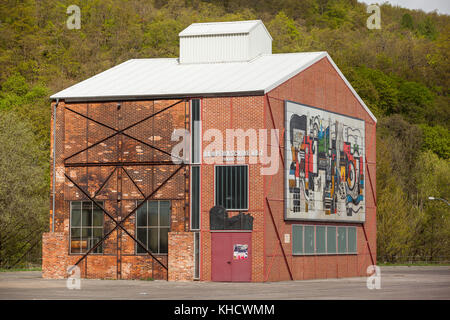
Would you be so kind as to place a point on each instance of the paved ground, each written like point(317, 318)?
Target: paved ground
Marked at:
point(396, 283)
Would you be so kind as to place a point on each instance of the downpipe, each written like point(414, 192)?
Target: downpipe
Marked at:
point(54, 165)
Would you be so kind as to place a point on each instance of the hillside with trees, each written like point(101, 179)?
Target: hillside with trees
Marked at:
point(401, 71)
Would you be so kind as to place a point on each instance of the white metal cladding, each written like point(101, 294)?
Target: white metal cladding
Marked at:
point(217, 48)
point(224, 42)
point(259, 42)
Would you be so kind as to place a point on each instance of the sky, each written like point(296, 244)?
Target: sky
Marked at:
point(443, 6)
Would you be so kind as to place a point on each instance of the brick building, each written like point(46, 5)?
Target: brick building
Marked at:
point(276, 180)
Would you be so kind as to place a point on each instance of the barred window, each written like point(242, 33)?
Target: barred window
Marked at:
point(232, 187)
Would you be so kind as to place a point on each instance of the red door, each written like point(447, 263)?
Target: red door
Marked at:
point(231, 256)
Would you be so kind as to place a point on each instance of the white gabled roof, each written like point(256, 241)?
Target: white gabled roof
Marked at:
point(221, 28)
point(162, 78)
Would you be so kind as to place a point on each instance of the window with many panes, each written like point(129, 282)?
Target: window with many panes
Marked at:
point(311, 239)
point(231, 190)
point(86, 226)
point(153, 226)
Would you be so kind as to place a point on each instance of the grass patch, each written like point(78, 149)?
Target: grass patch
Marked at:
point(20, 269)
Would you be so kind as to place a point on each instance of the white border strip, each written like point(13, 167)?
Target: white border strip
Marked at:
point(318, 58)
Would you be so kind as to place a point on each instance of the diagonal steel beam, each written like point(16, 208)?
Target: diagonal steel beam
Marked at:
point(274, 126)
point(120, 131)
point(104, 183)
point(279, 239)
point(117, 132)
point(371, 185)
point(119, 224)
point(129, 177)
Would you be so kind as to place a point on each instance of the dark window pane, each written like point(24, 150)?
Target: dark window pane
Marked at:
point(86, 232)
point(141, 236)
point(309, 239)
point(331, 240)
point(76, 233)
point(228, 195)
point(320, 239)
point(342, 239)
point(98, 233)
point(297, 239)
point(86, 214)
point(91, 242)
point(196, 109)
point(164, 213)
point(76, 217)
point(142, 215)
point(351, 239)
point(163, 240)
point(98, 217)
point(76, 205)
point(153, 213)
point(219, 187)
point(195, 206)
point(153, 239)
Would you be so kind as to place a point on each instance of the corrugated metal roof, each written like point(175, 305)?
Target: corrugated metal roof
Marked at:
point(164, 77)
point(214, 28)
point(159, 78)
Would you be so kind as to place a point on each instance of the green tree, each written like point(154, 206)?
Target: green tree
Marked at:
point(23, 191)
point(428, 29)
point(407, 21)
point(433, 179)
point(437, 139)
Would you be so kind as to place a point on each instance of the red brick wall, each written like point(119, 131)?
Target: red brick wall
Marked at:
point(74, 133)
point(229, 113)
point(181, 256)
point(319, 86)
point(54, 255)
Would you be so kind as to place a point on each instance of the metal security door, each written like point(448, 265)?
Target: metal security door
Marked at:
point(231, 256)
point(221, 256)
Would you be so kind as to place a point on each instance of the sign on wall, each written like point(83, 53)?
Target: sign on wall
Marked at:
point(240, 252)
point(324, 172)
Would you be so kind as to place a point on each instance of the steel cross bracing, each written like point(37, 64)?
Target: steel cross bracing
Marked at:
point(120, 166)
point(121, 131)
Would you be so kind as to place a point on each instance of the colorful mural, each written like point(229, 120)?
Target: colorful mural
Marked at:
point(324, 172)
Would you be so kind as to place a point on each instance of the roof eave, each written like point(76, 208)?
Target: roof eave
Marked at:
point(158, 96)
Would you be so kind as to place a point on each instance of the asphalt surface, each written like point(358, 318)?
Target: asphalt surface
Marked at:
point(396, 283)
